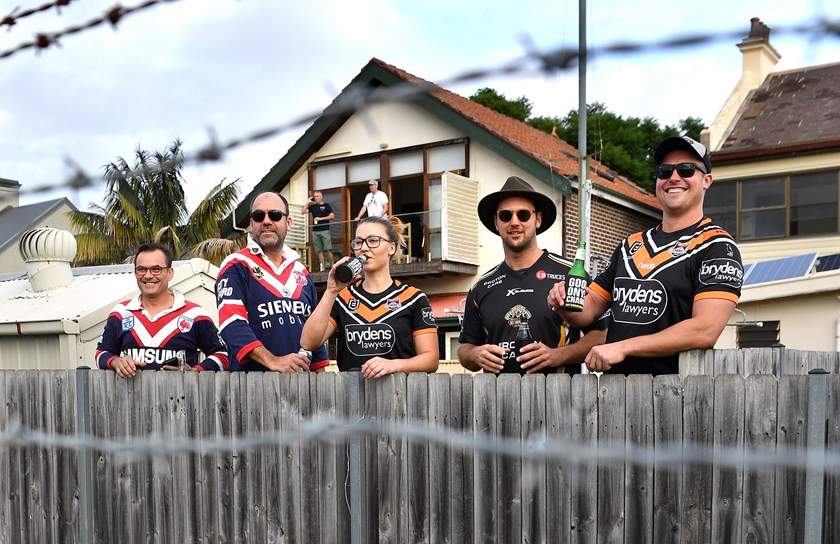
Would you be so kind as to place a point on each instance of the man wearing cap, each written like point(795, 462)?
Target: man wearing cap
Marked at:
point(671, 288)
point(514, 292)
point(376, 202)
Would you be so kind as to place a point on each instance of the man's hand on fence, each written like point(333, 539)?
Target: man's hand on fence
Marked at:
point(126, 367)
point(294, 362)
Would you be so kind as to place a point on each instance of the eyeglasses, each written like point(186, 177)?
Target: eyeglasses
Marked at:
point(275, 215)
point(371, 241)
point(155, 270)
point(684, 170)
point(506, 215)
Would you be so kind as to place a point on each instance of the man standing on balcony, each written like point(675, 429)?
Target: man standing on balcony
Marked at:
point(376, 202)
point(512, 295)
point(671, 288)
point(321, 237)
point(265, 296)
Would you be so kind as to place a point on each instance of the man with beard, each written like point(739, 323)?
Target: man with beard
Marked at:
point(265, 295)
point(512, 295)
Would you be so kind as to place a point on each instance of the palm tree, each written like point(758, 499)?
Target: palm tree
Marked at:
point(146, 203)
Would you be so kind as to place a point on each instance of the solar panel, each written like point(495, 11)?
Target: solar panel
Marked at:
point(828, 262)
point(785, 268)
point(747, 268)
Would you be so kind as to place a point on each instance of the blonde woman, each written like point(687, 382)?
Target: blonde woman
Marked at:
point(384, 326)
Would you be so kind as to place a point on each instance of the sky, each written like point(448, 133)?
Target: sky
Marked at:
point(189, 68)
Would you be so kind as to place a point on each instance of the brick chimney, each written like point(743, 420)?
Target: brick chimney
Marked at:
point(759, 59)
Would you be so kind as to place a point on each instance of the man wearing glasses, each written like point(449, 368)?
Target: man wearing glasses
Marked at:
point(158, 329)
point(265, 296)
point(671, 288)
point(512, 295)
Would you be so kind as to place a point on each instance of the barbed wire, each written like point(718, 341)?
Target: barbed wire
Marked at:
point(44, 40)
point(12, 18)
point(357, 98)
point(332, 430)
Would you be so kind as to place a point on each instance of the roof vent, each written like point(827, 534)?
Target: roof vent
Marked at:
point(48, 253)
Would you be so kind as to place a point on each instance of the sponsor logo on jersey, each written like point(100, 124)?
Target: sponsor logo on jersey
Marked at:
point(185, 323)
point(679, 249)
point(646, 266)
point(517, 290)
point(353, 304)
point(540, 275)
point(516, 315)
point(721, 272)
point(370, 339)
point(393, 304)
point(128, 323)
point(257, 272)
point(428, 316)
point(494, 282)
point(283, 306)
point(152, 356)
point(638, 301)
point(634, 248)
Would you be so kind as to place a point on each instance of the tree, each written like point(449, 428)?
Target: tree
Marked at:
point(146, 202)
point(519, 108)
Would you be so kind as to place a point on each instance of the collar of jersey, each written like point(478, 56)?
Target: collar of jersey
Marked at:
point(135, 303)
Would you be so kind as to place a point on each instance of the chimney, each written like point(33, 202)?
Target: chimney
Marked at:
point(9, 193)
point(48, 253)
point(759, 57)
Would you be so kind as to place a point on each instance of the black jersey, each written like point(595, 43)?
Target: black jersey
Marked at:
point(379, 324)
point(502, 298)
point(653, 279)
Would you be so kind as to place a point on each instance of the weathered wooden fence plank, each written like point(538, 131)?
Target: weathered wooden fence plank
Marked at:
point(638, 478)
point(612, 434)
point(728, 361)
point(242, 468)
point(667, 489)
point(831, 529)
point(698, 421)
point(289, 493)
point(760, 436)
point(441, 483)
point(310, 484)
point(462, 468)
point(486, 420)
point(227, 404)
point(328, 462)
point(391, 514)
point(279, 486)
point(209, 506)
point(584, 494)
point(534, 514)
point(790, 483)
point(8, 492)
point(727, 494)
point(417, 457)
point(761, 361)
point(101, 402)
point(559, 474)
point(509, 468)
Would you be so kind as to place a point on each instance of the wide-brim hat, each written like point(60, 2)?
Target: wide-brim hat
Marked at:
point(686, 144)
point(516, 186)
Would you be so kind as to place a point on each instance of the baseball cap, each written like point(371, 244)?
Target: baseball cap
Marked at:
point(686, 144)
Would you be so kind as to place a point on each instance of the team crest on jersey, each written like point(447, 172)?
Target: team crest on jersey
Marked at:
point(679, 249)
point(635, 247)
point(353, 304)
point(185, 323)
point(257, 272)
point(518, 314)
point(300, 279)
point(729, 252)
point(128, 323)
point(393, 304)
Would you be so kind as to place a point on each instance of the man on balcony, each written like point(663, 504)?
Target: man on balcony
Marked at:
point(376, 202)
point(512, 295)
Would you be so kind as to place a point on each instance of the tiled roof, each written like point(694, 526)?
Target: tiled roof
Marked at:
point(548, 149)
point(794, 110)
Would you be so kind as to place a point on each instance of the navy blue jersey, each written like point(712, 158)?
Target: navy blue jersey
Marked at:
point(186, 328)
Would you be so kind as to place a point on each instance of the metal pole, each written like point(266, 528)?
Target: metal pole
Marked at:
point(583, 175)
point(83, 457)
point(815, 456)
point(358, 503)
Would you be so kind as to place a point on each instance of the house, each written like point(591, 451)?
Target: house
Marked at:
point(52, 315)
point(16, 219)
point(436, 155)
point(776, 152)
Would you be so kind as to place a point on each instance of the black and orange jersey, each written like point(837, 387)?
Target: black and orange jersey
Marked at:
point(502, 298)
point(379, 324)
point(654, 277)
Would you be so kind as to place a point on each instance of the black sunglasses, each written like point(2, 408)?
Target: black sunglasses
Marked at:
point(506, 215)
point(274, 215)
point(684, 170)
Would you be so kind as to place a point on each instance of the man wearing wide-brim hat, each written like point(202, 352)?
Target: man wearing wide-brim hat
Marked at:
point(511, 297)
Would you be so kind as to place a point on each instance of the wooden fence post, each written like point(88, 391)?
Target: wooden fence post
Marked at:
point(357, 462)
point(83, 458)
point(815, 455)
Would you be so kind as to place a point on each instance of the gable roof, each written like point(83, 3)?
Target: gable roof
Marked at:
point(791, 112)
point(544, 156)
point(15, 220)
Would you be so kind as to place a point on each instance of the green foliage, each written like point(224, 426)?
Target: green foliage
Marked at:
point(146, 202)
point(519, 108)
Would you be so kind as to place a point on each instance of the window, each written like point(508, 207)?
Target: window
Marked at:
point(776, 206)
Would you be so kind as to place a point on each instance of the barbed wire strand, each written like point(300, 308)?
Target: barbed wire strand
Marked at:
point(330, 430)
point(12, 18)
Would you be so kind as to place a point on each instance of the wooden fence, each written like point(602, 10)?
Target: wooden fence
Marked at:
point(375, 477)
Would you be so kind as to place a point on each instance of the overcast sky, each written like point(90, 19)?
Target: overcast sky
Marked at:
point(240, 66)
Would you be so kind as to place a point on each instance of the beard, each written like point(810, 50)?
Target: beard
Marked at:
point(270, 239)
